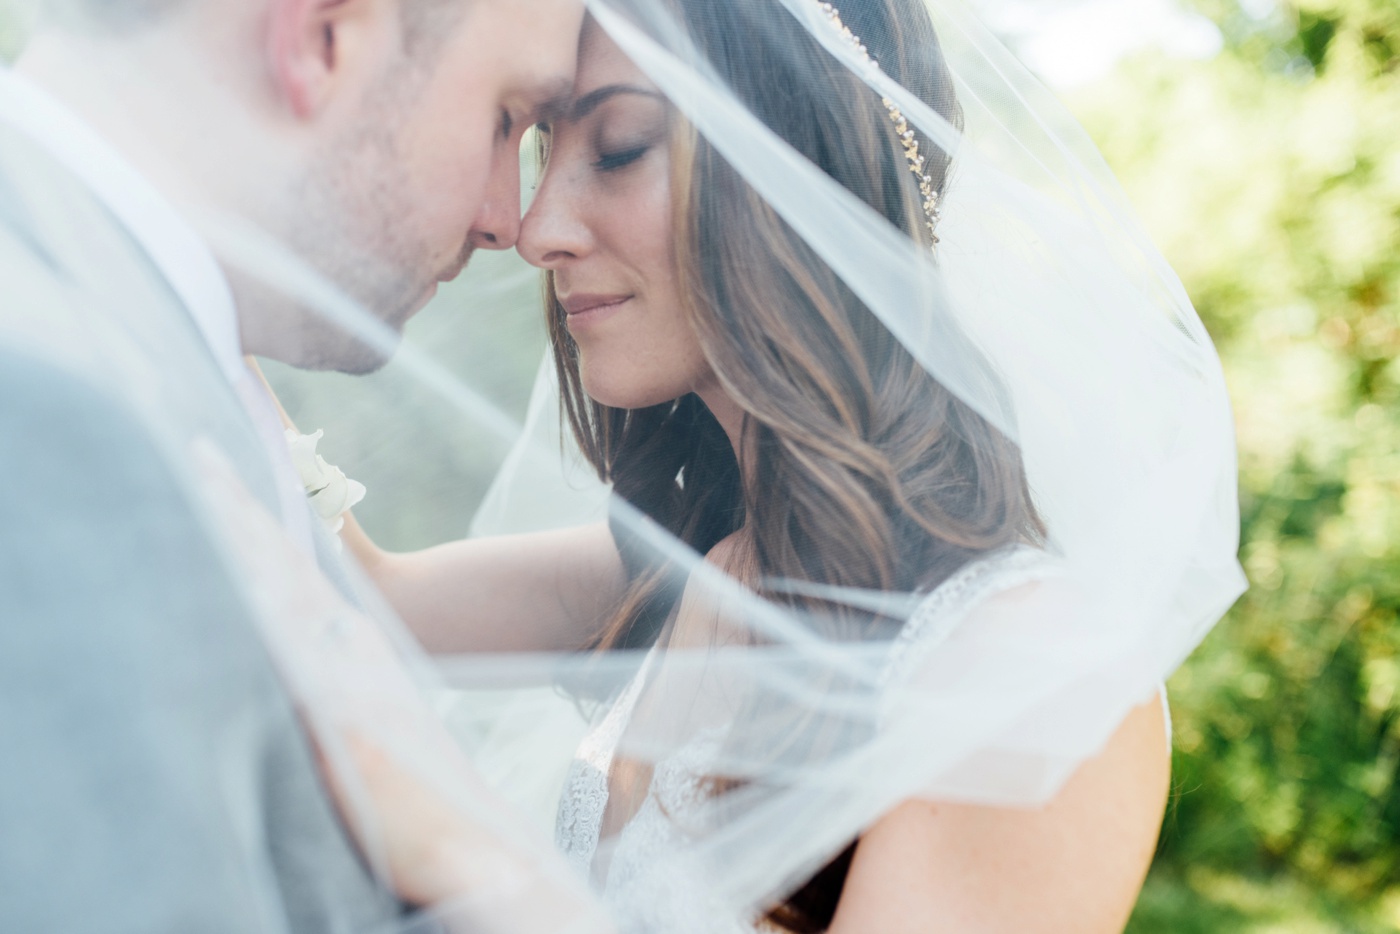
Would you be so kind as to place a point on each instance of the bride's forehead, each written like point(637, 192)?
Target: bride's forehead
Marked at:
point(601, 62)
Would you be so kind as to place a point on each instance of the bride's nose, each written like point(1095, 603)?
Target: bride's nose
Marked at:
point(554, 230)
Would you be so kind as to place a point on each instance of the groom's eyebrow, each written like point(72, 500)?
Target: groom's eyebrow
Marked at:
point(551, 101)
point(591, 101)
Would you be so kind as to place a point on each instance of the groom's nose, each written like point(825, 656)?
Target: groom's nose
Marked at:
point(497, 224)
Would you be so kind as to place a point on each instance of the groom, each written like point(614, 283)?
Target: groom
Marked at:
point(153, 774)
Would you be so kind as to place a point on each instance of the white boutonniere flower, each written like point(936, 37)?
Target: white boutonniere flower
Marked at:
point(332, 494)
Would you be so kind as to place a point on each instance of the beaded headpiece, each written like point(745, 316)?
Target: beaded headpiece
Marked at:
point(901, 127)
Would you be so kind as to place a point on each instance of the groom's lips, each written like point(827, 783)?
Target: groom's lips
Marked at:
point(448, 274)
point(457, 268)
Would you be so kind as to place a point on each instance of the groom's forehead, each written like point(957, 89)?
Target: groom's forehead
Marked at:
point(550, 100)
point(536, 46)
point(528, 24)
point(543, 89)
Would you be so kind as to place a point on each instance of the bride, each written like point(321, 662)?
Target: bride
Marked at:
point(891, 646)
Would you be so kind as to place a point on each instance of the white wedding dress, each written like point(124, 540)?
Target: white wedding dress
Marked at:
point(644, 884)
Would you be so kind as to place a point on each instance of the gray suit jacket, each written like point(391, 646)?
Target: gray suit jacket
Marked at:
point(153, 774)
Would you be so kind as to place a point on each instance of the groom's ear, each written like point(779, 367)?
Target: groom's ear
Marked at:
point(317, 47)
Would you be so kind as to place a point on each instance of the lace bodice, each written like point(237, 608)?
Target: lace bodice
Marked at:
point(647, 900)
point(585, 797)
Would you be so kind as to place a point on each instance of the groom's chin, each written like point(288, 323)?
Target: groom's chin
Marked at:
point(335, 351)
point(363, 366)
point(359, 359)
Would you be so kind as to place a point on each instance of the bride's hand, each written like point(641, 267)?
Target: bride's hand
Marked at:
point(418, 810)
point(432, 853)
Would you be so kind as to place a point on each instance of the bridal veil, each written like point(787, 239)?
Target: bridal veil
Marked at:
point(1034, 300)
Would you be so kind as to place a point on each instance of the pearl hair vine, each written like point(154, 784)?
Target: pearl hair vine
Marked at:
point(915, 158)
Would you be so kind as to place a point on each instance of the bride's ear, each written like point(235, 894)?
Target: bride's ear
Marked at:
point(316, 48)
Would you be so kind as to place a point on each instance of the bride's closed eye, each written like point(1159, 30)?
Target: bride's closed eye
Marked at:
point(620, 158)
point(626, 127)
point(626, 132)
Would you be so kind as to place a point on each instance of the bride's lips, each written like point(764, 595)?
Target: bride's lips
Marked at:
point(586, 309)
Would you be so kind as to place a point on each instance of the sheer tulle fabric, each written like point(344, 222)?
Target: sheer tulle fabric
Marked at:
point(1044, 309)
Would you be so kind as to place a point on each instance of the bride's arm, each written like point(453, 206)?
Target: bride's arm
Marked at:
point(1074, 866)
point(547, 591)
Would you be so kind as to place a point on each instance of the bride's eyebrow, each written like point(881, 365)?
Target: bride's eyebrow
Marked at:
point(591, 101)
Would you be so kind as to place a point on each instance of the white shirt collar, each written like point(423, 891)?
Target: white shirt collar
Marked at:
point(172, 243)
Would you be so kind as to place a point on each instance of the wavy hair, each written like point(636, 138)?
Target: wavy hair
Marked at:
point(860, 469)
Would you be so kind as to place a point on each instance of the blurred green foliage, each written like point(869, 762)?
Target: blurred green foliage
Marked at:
point(9, 34)
point(16, 19)
point(1270, 176)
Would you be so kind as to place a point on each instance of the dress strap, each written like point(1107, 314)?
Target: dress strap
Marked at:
point(939, 614)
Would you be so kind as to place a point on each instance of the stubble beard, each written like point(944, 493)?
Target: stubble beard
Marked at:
point(354, 224)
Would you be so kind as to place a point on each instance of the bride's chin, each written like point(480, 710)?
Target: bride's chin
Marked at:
point(613, 400)
point(620, 394)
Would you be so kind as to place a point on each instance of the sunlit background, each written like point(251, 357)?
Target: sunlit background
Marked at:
point(1260, 140)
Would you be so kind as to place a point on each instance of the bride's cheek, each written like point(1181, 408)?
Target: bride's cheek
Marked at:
point(653, 236)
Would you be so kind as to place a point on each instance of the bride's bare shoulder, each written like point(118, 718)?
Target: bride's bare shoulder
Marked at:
point(1074, 865)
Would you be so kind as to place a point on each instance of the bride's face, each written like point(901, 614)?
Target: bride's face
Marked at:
point(601, 223)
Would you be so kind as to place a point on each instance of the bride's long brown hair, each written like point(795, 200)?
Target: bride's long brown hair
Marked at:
point(861, 470)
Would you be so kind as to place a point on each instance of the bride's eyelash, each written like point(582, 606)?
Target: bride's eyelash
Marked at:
point(616, 160)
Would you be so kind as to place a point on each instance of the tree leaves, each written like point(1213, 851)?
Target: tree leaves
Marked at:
point(1271, 179)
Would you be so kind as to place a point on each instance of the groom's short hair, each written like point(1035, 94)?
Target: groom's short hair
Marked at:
point(422, 19)
point(109, 14)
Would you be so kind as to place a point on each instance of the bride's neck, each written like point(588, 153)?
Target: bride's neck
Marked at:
point(727, 412)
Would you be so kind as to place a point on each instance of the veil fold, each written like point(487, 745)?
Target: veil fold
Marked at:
point(1043, 313)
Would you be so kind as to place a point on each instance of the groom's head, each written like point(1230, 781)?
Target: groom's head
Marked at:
point(379, 139)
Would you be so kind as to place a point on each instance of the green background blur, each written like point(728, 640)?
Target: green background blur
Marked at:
point(1270, 176)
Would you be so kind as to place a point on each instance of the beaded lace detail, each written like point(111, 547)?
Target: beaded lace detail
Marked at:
point(646, 897)
point(647, 886)
point(944, 609)
point(585, 799)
